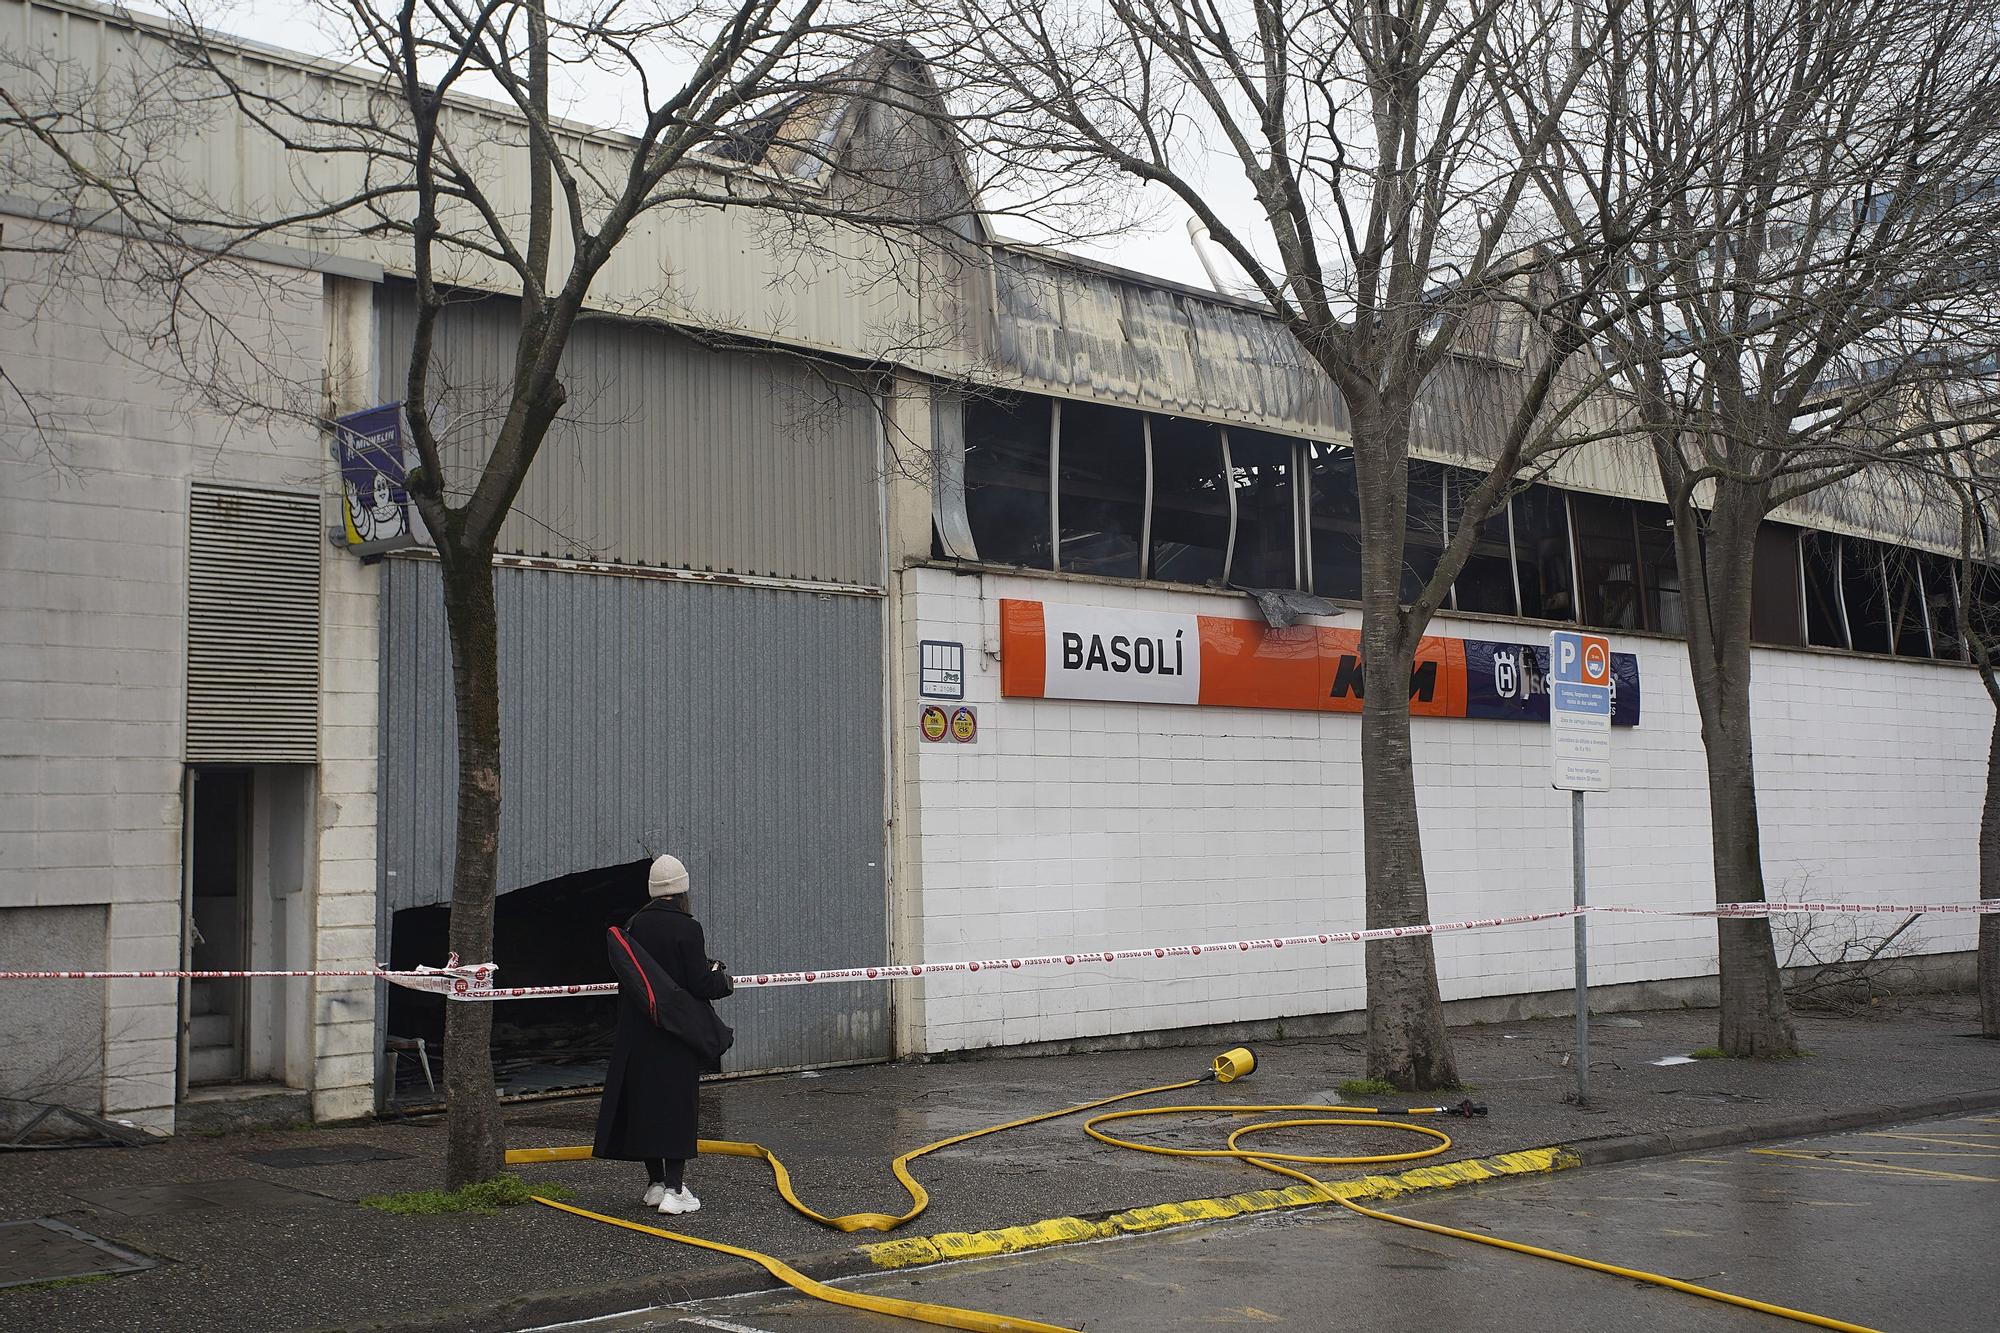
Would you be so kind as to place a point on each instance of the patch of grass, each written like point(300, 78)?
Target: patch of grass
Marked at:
point(56, 1283)
point(485, 1198)
point(1367, 1087)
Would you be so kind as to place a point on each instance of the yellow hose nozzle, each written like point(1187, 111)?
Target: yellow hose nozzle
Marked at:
point(1234, 1064)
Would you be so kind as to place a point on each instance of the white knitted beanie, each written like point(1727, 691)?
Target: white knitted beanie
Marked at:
point(667, 877)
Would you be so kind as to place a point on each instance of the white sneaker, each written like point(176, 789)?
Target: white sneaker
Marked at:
point(682, 1200)
point(654, 1193)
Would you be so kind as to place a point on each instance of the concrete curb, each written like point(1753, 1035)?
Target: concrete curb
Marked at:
point(606, 1299)
point(1632, 1147)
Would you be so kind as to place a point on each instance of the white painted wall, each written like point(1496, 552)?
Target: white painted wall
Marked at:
point(1074, 825)
point(99, 439)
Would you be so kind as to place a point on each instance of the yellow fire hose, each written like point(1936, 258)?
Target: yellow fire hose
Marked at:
point(1227, 1067)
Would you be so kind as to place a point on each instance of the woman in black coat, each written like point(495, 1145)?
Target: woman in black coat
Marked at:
point(652, 1089)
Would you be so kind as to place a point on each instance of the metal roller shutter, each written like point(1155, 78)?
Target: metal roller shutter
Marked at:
point(253, 626)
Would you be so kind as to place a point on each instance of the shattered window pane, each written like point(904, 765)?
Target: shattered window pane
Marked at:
point(1907, 630)
point(1864, 594)
point(1659, 570)
point(1424, 525)
point(1266, 550)
point(1776, 615)
point(1607, 559)
point(1101, 489)
point(1940, 574)
point(1821, 554)
point(1336, 521)
point(1541, 554)
point(1190, 506)
point(1486, 584)
point(1007, 479)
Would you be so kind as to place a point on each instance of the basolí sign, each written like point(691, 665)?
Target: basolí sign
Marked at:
point(1051, 650)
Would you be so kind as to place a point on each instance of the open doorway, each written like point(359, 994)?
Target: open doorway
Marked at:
point(247, 908)
point(544, 934)
point(218, 927)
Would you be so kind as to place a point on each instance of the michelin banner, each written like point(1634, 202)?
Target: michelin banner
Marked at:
point(1051, 650)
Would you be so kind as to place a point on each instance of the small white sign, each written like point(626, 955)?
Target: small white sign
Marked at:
point(1580, 710)
point(1142, 656)
point(940, 669)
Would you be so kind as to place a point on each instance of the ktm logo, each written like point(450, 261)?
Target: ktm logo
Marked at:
point(1347, 681)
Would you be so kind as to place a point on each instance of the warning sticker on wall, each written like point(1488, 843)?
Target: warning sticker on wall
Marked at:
point(934, 723)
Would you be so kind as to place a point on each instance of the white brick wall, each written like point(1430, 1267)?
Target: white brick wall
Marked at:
point(93, 523)
point(1079, 825)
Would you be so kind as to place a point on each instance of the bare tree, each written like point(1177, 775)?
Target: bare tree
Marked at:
point(1389, 209)
point(1829, 265)
point(404, 154)
point(1976, 483)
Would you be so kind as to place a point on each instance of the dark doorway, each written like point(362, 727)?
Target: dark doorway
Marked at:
point(550, 933)
point(217, 923)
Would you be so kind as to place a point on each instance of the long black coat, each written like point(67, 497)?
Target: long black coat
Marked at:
point(651, 1091)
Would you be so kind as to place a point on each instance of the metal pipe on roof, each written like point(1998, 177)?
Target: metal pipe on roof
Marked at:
point(1198, 237)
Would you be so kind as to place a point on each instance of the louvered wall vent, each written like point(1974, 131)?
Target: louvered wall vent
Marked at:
point(253, 627)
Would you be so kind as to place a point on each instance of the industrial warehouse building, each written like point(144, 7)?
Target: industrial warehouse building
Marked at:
point(912, 649)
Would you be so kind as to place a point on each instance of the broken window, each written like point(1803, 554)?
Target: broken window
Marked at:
point(1909, 629)
point(1981, 609)
point(1776, 613)
point(1864, 595)
point(1541, 554)
point(1659, 570)
point(1607, 561)
point(1486, 584)
point(1007, 479)
point(1260, 468)
point(1190, 502)
point(1826, 627)
point(1336, 521)
point(1101, 489)
point(1423, 526)
point(1940, 575)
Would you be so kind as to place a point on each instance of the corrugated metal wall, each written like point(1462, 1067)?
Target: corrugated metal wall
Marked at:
point(667, 453)
point(738, 728)
point(1082, 332)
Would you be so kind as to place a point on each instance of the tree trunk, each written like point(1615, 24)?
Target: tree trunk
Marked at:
point(1989, 889)
point(1408, 1044)
point(475, 1147)
point(1407, 1041)
point(1755, 1020)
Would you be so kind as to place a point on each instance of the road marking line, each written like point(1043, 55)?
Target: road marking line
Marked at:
point(1925, 1138)
point(1835, 1163)
point(723, 1324)
point(585, 1323)
point(1990, 1154)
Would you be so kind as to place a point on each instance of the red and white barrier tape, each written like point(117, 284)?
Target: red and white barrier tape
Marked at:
point(474, 981)
point(453, 978)
point(1983, 907)
point(899, 971)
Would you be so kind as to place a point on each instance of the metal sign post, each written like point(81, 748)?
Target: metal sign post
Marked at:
point(1580, 747)
point(1577, 923)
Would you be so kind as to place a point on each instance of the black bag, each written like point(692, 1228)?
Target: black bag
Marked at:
point(671, 1009)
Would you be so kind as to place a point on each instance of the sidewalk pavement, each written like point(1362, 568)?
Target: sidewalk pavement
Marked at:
point(247, 1244)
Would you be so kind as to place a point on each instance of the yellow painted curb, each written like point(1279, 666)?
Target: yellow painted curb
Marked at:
point(1068, 1230)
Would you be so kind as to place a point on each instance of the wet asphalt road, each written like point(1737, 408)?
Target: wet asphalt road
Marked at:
point(1890, 1229)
